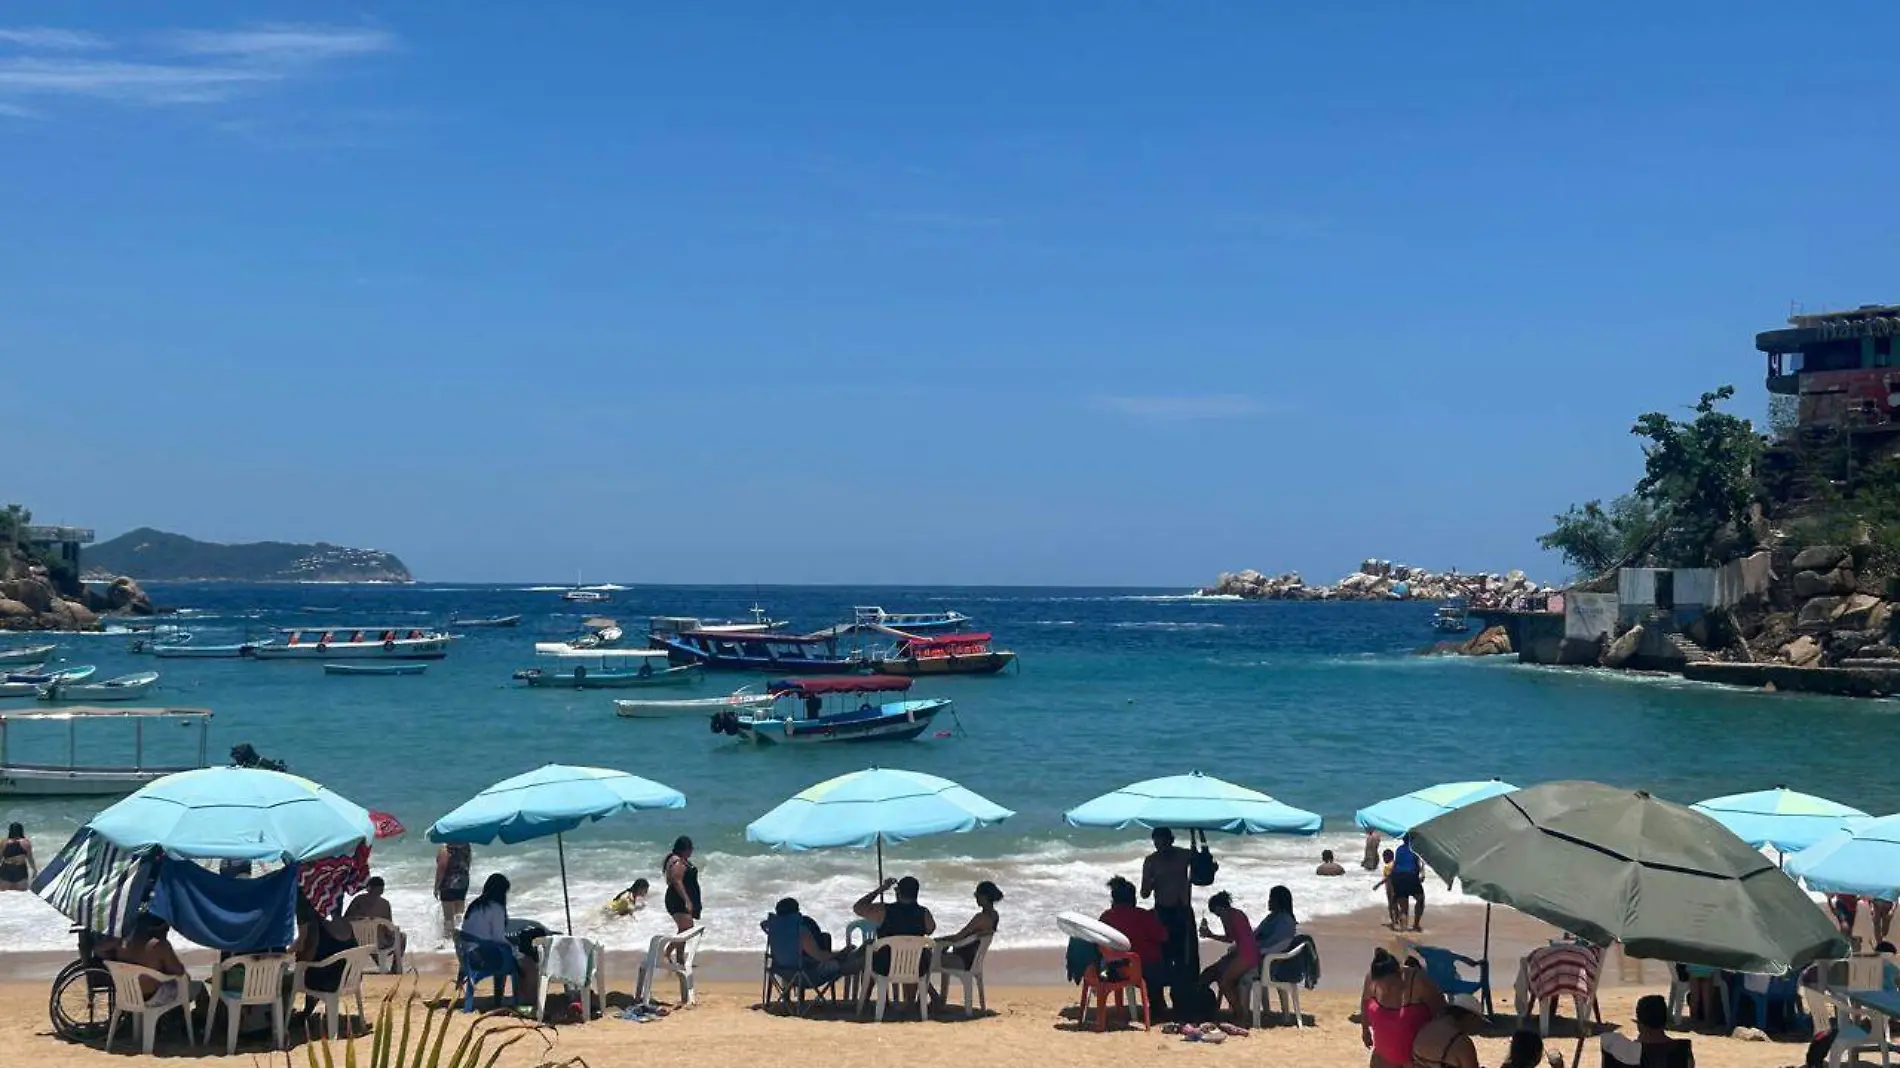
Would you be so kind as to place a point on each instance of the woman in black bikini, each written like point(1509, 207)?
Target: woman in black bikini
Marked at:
point(984, 923)
point(17, 866)
point(682, 886)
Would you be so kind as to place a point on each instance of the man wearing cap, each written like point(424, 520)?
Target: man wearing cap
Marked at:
point(1446, 1041)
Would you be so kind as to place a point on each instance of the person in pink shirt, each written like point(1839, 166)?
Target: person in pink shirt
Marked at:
point(1243, 951)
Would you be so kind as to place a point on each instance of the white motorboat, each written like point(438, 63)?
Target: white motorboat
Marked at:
point(209, 652)
point(124, 688)
point(74, 779)
point(362, 643)
point(586, 596)
point(739, 701)
point(25, 684)
point(27, 654)
point(605, 669)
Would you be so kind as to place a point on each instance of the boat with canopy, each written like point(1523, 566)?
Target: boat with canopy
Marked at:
point(74, 778)
point(803, 716)
point(951, 654)
point(359, 643)
point(605, 669)
point(794, 654)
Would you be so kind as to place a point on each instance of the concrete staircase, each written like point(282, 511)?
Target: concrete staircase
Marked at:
point(1691, 652)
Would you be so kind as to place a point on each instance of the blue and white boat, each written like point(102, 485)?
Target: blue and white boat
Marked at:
point(208, 652)
point(788, 654)
point(910, 622)
point(604, 669)
point(27, 684)
point(124, 688)
point(800, 716)
point(374, 669)
point(159, 637)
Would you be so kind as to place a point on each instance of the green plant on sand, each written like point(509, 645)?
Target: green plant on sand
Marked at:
point(395, 1043)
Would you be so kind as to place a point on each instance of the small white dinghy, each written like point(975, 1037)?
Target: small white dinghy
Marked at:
point(124, 688)
point(739, 701)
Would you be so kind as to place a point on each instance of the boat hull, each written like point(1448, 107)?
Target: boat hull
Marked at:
point(26, 655)
point(205, 652)
point(697, 706)
point(682, 653)
point(915, 667)
point(131, 688)
point(899, 721)
point(374, 669)
point(595, 679)
point(396, 649)
point(499, 621)
point(25, 780)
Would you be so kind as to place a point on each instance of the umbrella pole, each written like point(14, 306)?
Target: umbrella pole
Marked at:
point(560, 845)
point(880, 867)
point(1486, 957)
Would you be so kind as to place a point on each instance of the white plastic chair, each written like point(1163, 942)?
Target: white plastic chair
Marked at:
point(1679, 995)
point(857, 934)
point(385, 938)
point(1850, 1038)
point(174, 992)
point(905, 968)
point(660, 958)
point(355, 962)
point(549, 951)
point(971, 977)
point(263, 985)
point(1255, 985)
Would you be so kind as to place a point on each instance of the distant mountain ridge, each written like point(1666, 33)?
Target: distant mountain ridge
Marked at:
point(155, 555)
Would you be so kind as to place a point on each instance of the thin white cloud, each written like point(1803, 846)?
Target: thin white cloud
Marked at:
point(284, 43)
point(179, 67)
point(51, 39)
point(1186, 408)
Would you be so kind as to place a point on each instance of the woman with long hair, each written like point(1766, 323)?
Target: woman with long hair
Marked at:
point(17, 866)
point(682, 888)
point(487, 923)
point(1395, 1004)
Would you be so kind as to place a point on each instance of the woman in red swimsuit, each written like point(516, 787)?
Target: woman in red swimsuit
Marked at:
point(1395, 1004)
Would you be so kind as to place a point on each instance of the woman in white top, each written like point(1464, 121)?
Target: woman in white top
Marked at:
point(487, 921)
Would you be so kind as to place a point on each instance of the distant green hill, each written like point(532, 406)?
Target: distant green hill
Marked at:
point(153, 555)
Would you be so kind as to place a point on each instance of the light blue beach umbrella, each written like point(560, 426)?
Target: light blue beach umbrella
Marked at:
point(872, 807)
point(1788, 820)
point(1862, 859)
point(1193, 802)
point(1398, 815)
point(552, 799)
point(236, 814)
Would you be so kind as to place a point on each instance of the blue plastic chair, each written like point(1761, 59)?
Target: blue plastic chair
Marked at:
point(1441, 966)
point(1782, 990)
point(500, 957)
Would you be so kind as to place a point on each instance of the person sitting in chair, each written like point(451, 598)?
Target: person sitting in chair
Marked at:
point(793, 941)
point(1446, 1041)
point(1653, 1046)
point(372, 905)
point(903, 916)
point(487, 923)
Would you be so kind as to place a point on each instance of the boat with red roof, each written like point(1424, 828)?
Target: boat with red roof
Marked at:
point(833, 708)
point(949, 654)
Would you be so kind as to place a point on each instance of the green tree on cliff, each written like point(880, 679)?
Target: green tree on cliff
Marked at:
point(13, 521)
point(1691, 508)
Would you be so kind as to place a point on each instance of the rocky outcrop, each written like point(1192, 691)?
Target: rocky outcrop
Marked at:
point(125, 596)
point(32, 597)
point(1623, 648)
point(1491, 641)
point(1382, 580)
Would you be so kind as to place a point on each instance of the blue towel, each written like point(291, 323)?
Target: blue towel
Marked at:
point(235, 915)
point(1079, 957)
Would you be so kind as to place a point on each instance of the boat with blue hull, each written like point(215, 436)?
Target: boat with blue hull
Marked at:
point(28, 683)
point(870, 615)
point(801, 716)
point(784, 654)
point(374, 669)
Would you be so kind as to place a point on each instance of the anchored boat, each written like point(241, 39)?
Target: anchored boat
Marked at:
point(124, 688)
point(497, 621)
point(27, 654)
point(374, 669)
point(73, 779)
point(801, 716)
point(209, 652)
point(952, 654)
point(604, 669)
point(873, 616)
point(27, 684)
point(159, 637)
point(367, 643)
point(739, 701)
point(672, 626)
point(796, 654)
point(1451, 617)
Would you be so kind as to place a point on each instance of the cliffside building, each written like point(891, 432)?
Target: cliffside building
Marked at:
point(1843, 366)
point(66, 540)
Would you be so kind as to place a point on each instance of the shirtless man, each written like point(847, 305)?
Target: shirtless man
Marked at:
point(372, 905)
point(149, 948)
point(1164, 877)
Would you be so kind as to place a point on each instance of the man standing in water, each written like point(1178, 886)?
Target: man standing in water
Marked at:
point(1164, 877)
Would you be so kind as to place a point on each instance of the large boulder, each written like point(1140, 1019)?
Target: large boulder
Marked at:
point(1819, 612)
point(1820, 558)
point(1856, 612)
point(1802, 652)
point(1812, 584)
point(13, 612)
point(1880, 619)
point(1841, 580)
point(1623, 647)
point(1491, 641)
point(124, 595)
point(36, 594)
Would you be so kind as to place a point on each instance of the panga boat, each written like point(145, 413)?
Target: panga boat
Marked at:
point(952, 654)
point(740, 701)
point(1451, 618)
point(374, 669)
point(586, 596)
point(601, 633)
point(124, 688)
point(73, 779)
point(605, 669)
point(209, 652)
point(873, 616)
point(26, 654)
point(27, 684)
point(496, 621)
point(806, 654)
point(367, 643)
point(801, 717)
point(670, 626)
point(159, 637)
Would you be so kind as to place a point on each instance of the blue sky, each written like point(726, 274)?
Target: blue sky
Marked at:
point(862, 292)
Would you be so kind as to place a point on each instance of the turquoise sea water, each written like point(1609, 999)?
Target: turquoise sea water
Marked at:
point(1320, 705)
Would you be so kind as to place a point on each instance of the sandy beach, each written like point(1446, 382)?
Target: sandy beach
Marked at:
point(1030, 1018)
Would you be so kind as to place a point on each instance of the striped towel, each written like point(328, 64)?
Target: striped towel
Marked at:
point(97, 884)
point(326, 881)
point(1563, 971)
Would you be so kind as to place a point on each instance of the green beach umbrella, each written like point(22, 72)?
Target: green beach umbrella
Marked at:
point(1615, 865)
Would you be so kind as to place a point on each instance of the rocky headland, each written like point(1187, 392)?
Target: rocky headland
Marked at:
point(159, 556)
point(33, 597)
point(1383, 580)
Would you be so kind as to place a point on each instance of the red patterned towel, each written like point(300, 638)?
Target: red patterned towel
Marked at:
point(1563, 971)
point(325, 881)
